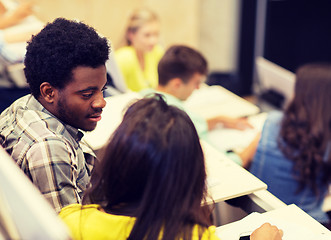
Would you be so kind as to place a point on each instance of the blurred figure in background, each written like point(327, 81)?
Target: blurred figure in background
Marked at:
point(181, 71)
point(17, 24)
point(10, 17)
point(139, 57)
point(293, 156)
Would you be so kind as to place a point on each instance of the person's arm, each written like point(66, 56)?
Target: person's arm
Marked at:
point(12, 18)
point(228, 122)
point(16, 37)
point(2, 9)
point(248, 153)
point(267, 232)
point(55, 169)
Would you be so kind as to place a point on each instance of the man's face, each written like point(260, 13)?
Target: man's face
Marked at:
point(80, 102)
point(186, 89)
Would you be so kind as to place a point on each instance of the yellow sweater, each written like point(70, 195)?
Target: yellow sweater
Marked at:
point(88, 222)
point(135, 78)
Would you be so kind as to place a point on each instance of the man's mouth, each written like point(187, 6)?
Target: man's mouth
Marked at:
point(95, 117)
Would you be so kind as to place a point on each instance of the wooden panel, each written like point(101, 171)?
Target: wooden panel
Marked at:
point(179, 19)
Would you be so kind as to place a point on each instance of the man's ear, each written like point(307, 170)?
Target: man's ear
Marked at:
point(47, 92)
point(176, 83)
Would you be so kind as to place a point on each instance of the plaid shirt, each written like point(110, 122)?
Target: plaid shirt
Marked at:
point(49, 152)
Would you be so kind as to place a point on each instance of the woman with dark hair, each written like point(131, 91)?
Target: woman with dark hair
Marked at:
point(150, 183)
point(293, 156)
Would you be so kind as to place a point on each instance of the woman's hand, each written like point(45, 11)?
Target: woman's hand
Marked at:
point(267, 232)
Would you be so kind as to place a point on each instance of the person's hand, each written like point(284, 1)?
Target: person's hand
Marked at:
point(236, 123)
point(267, 232)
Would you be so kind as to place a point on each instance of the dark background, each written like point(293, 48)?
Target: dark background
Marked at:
point(297, 32)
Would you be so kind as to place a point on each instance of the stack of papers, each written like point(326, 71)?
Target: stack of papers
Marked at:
point(225, 139)
point(293, 230)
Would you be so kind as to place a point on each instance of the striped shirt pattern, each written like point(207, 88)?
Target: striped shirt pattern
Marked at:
point(49, 152)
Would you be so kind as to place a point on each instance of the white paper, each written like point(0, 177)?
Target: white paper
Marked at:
point(291, 230)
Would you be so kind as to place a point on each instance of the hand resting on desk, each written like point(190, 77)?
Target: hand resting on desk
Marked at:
point(267, 232)
point(229, 122)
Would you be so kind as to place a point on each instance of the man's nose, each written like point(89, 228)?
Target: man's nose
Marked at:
point(99, 102)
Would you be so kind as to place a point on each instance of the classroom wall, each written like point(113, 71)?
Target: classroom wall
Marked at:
point(209, 25)
point(219, 32)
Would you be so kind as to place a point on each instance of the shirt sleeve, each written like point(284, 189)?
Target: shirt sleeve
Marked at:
point(56, 169)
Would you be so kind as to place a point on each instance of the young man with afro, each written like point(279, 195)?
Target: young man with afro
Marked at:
point(42, 131)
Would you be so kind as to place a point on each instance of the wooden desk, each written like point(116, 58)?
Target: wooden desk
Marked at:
point(211, 101)
point(295, 223)
point(226, 179)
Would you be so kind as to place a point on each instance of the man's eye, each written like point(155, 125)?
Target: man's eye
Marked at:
point(87, 95)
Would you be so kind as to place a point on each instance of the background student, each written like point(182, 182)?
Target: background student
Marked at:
point(17, 24)
point(293, 156)
point(151, 182)
point(9, 18)
point(139, 57)
point(182, 70)
point(66, 73)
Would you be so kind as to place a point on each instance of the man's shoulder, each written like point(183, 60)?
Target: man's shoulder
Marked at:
point(170, 99)
point(174, 101)
point(19, 103)
point(125, 52)
point(28, 123)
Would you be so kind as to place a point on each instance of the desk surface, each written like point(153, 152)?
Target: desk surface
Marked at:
point(295, 223)
point(211, 101)
point(226, 179)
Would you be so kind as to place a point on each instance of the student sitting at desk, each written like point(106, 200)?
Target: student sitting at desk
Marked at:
point(138, 59)
point(65, 69)
point(181, 70)
point(293, 156)
point(150, 183)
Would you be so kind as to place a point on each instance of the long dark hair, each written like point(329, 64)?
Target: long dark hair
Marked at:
point(153, 169)
point(305, 135)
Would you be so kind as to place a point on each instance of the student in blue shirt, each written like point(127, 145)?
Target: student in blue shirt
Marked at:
point(293, 156)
